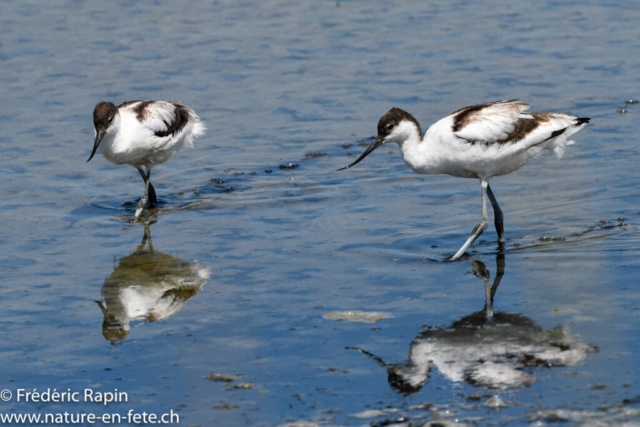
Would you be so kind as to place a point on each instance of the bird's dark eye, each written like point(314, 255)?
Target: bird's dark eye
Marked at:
point(390, 126)
point(110, 119)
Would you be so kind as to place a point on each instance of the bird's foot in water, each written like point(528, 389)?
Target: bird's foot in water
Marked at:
point(141, 205)
point(501, 244)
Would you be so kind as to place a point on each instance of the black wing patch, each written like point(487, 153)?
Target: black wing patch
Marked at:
point(521, 129)
point(181, 117)
point(141, 110)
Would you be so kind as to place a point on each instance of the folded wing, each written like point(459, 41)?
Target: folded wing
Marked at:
point(164, 118)
point(506, 122)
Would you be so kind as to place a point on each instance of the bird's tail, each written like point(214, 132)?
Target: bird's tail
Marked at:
point(562, 141)
point(198, 130)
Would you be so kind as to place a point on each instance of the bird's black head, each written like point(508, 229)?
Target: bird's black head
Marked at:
point(103, 116)
point(393, 118)
point(387, 124)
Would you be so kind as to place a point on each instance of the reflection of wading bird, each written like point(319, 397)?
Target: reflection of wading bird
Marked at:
point(144, 133)
point(494, 350)
point(481, 141)
point(147, 286)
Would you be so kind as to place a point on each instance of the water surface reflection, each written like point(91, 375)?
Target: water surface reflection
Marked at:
point(495, 350)
point(147, 286)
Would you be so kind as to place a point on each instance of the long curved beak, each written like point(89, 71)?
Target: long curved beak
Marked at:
point(99, 136)
point(377, 143)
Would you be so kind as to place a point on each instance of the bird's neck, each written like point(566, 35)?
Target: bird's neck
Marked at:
point(416, 152)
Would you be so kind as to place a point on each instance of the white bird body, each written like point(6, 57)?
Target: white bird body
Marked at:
point(480, 141)
point(144, 133)
point(444, 151)
point(136, 143)
point(496, 357)
point(147, 285)
point(494, 350)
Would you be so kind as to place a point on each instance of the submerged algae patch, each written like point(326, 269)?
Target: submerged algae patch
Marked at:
point(358, 316)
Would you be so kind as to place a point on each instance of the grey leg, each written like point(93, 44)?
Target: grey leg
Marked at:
point(145, 199)
point(478, 229)
point(152, 191)
point(152, 194)
point(146, 238)
point(147, 235)
point(488, 307)
point(497, 212)
point(501, 264)
point(142, 174)
point(480, 271)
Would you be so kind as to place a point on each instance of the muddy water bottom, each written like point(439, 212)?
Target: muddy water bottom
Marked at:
point(246, 317)
point(302, 297)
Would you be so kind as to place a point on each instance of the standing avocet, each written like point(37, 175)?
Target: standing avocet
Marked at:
point(144, 133)
point(480, 141)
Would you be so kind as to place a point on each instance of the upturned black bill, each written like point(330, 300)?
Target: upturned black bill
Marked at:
point(377, 143)
point(99, 136)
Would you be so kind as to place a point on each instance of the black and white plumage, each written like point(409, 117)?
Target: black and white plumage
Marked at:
point(492, 350)
point(498, 350)
point(480, 141)
point(147, 285)
point(144, 133)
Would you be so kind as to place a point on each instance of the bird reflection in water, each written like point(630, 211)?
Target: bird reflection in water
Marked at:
point(147, 286)
point(496, 350)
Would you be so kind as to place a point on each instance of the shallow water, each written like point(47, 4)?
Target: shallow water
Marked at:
point(244, 268)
